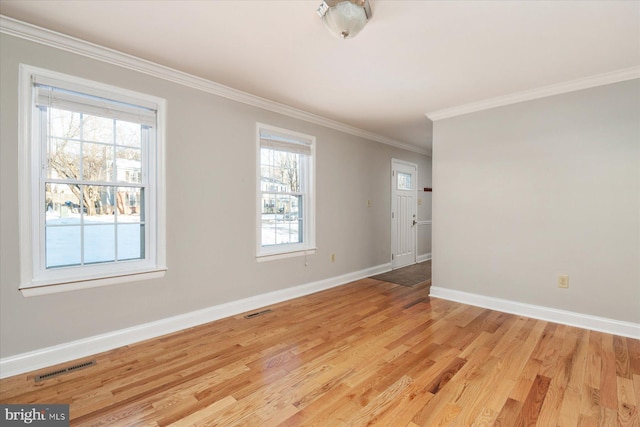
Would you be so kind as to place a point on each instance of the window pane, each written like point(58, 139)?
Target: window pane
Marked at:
point(129, 165)
point(268, 204)
point(130, 203)
point(404, 181)
point(63, 159)
point(287, 232)
point(268, 219)
point(62, 246)
point(281, 219)
point(64, 124)
point(97, 129)
point(280, 170)
point(99, 243)
point(268, 232)
point(130, 241)
point(97, 162)
point(62, 205)
point(104, 202)
point(129, 134)
point(98, 200)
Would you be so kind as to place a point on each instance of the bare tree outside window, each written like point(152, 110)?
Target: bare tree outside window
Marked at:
point(93, 166)
point(287, 165)
point(281, 196)
point(82, 148)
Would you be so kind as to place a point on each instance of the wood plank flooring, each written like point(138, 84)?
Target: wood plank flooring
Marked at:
point(370, 352)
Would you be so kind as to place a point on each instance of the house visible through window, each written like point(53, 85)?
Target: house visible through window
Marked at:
point(286, 202)
point(94, 181)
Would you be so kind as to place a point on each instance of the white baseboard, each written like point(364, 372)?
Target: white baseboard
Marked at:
point(423, 257)
point(602, 324)
point(26, 362)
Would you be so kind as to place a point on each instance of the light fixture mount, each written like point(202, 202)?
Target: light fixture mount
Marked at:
point(345, 18)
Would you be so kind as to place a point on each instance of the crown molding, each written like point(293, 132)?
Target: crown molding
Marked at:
point(87, 49)
point(542, 92)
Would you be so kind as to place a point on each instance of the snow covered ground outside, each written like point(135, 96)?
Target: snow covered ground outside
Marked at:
point(105, 236)
point(109, 236)
point(277, 229)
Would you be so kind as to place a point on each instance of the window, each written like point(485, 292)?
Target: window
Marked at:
point(404, 181)
point(91, 181)
point(286, 213)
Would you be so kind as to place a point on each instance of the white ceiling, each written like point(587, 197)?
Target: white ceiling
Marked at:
point(413, 57)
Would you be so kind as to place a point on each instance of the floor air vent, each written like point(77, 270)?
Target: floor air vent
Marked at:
point(258, 313)
point(52, 374)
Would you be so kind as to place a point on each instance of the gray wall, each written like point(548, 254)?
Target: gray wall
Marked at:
point(210, 210)
point(526, 192)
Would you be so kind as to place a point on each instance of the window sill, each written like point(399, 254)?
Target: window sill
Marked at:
point(283, 255)
point(32, 291)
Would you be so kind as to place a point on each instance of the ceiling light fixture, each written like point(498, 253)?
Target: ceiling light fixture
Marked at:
point(345, 18)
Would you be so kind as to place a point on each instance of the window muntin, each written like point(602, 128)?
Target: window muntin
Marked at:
point(92, 164)
point(285, 191)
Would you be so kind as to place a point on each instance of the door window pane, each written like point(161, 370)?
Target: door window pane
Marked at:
point(404, 181)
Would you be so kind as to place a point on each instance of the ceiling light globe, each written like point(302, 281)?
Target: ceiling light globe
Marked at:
point(345, 19)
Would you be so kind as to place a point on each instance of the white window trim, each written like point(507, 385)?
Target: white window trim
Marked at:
point(308, 247)
point(29, 204)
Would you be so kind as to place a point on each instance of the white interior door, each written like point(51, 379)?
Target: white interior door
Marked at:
point(404, 196)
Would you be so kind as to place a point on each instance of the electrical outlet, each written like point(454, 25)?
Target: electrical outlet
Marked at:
point(333, 257)
point(368, 203)
point(563, 281)
point(419, 201)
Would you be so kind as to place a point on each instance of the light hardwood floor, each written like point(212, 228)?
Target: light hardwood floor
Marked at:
point(369, 352)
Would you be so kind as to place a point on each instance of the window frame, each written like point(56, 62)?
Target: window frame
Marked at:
point(35, 278)
point(308, 244)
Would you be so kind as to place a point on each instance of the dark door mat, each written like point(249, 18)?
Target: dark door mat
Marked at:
point(411, 275)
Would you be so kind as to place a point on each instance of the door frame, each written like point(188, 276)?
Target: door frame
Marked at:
point(414, 229)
